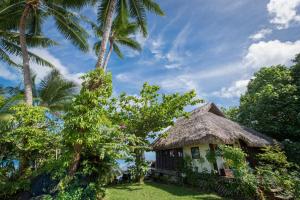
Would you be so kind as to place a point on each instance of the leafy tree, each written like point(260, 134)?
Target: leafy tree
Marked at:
point(121, 34)
point(146, 114)
point(271, 104)
point(93, 141)
point(28, 16)
point(27, 140)
point(231, 113)
point(123, 9)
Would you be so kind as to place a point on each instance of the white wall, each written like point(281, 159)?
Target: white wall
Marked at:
point(203, 148)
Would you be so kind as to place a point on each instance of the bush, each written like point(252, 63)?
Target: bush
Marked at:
point(276, 175)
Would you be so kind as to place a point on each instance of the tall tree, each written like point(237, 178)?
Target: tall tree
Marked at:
point(123, 9)
point(121, 34)
point(270, 104)
point(28, 16)
point(145, 115)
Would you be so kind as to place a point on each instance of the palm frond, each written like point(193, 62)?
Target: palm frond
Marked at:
point(67, 24)
point(122, 12)
point(55, 92)
point(102, 12)
point(96, 47)
point(129, 43)
point(137, 11)
point(117, 51)
point(153, 7)
point(14, 49)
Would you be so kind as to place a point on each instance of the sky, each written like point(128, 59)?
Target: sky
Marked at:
point(211, 46)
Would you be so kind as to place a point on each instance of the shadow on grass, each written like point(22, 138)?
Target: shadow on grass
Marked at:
point(128, 187)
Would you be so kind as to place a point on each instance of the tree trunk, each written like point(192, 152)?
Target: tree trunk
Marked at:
point(106, 32)
point(108, 56)
point(76, 159)
point(139, 161)
point(26, 68)
point(24, 164)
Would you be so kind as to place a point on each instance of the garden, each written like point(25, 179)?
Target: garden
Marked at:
point(62, 140)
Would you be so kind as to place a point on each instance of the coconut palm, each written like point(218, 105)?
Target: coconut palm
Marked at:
point(9, 46)
point(120, 35)
point(29, 15)
point(123, 9)
point(55, 92)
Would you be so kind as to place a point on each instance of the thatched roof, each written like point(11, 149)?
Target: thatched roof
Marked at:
point(208, 124)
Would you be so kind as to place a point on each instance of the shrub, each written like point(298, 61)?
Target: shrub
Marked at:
point(277, 175)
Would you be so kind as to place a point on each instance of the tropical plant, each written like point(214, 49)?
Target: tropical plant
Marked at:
point(28, 16)
point(276, 175)
point(245, 182)
point(55, 92)
point(29, 141)
point(123, 9)
point(271, 103)
point(121, 34)
point(93, 141)
point(146, 114)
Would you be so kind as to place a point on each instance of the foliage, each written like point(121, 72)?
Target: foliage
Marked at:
point(235, 159)
point(145, 115)
point(135, 10)
point(93, 141)
point(271, 103)
point(65, 20)
point(292, 150)
point(275, 173)
point(121, 35)
point(231, 113)
point(27, 140)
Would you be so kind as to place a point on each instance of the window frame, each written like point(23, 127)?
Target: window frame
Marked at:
point(193, 149)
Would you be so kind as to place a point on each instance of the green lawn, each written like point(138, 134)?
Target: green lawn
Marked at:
point(156, 191)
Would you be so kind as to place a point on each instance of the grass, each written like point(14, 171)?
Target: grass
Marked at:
point(156, 191)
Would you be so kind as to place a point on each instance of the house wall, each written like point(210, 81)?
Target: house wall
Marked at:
point(206, 165)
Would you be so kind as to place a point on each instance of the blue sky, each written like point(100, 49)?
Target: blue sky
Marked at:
point(211, 46)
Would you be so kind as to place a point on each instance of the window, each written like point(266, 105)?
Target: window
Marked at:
point(172, 154)
point(195, 152)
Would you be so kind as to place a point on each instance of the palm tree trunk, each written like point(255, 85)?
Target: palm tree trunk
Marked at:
point(26, 68)
point(106, 32)
point(108, 56)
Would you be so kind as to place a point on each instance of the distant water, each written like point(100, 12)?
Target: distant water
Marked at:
point(150, 156)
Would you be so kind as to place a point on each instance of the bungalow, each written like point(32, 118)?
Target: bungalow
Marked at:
point(205, 129)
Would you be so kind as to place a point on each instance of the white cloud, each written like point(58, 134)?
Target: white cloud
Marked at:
point(283, 12)
point(5, 73)
point(259, 55)
point(235, 90)
point(123, 77)
point(173, 66)
point(261, 34)
point(272, 52)
point(43, 71)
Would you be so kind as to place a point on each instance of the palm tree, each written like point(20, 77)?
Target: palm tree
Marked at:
point(29, 15)
point(120, 35)
point(123, 9)
point(55, 92)
point(9, 45)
